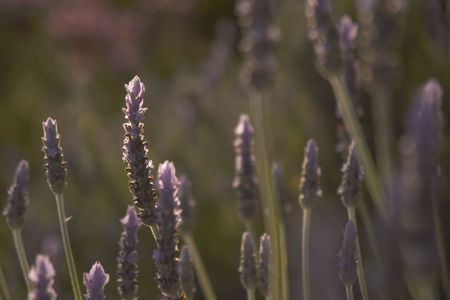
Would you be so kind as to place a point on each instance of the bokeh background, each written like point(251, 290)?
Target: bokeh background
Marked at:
point(70, 59)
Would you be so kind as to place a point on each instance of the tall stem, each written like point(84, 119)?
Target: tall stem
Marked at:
point(360, 266)
point(270, 206)
point(355, 131)
point(349, 291)
point(200, 269)
point(23, 261)
point(67, 247)
point(305, 253)
point(251, 294)
point(4, 287)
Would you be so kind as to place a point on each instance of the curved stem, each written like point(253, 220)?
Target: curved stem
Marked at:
point(349, 292)
point(200, 269)
point(360, 266)
point(4, 287)
point(355, 131)
point(305, 253)
point(251, 294)
point(67, 248)
point(23, 261)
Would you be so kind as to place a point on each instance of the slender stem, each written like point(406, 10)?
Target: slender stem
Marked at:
point(360, 266)
point(23, 261)
point(349, 291)
point(251, 294)
point(4, 287)
point(355, 131)
point(200, 269)
point(305, 253)
point(67, 248)
point(270, 205)
point(370, 232)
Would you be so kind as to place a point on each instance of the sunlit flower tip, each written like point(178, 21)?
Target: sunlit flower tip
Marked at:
point(347, 255)
point(244, 127)
point(186, 273)
point(432, 92)
point(186, 205)
point(264, 267)
point(352, 176)
point(17, 197)
point(95, 282)
point(135, 87)
point(54, 158)
point(130, 220)
point(247, 267)
point(167, 185)
point(310, 188)
point(348, 31)
point(42, 276)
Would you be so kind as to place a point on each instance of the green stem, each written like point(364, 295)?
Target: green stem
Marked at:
point(370, 232)
point(251, 294)
point(23, 261)
point(360, 266)
point(67, 247)
point(200, 269)
point(355, 131)
point(270, 206)
point(305, 253)
point(349, 291)
point(4, 287)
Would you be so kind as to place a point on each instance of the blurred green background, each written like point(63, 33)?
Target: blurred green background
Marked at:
point(69, 60)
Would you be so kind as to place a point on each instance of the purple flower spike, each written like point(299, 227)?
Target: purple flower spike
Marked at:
point(247, 265)
point(42, 277)
point(310, 188)
point(186, 205)
point(265, 265)
point(95, 282)
point(347, 256)
point(352, 176)
point(166, 254)
point(245, 181)
point(54, 158)
point(127, 268)
point(135, 153)
point(17, 198)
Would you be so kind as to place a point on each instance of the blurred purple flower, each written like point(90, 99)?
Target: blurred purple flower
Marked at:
point(95, 282)
point(42, 277)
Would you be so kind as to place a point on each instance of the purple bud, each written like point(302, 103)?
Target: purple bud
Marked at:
point(42, 278)
point(245, 181)
point(264, 267)
point(95, 282)
point(247, 266)
point(310, 188)
point(135, 154)
point(54, 158)
point(17, 198)
point(127, 267)
point(186, 272)
point(186, 206)
point(347, 256)
point(352, 176)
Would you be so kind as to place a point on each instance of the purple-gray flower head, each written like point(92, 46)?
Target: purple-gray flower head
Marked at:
point(264, 267)
point(280, 190)
point(352, 176)
point(310, 188)
point(348, 32)
point(324, 34)
point(256, 19)
point(186, 273)
point(245, 181)
point(247, 266)
point(42, 278)
point(135, 154)
point(17, 197)
point(54, 158)
point(165, 255)
point(127, 267)
point(347, 255)
point(186, 206)
point(95, 282)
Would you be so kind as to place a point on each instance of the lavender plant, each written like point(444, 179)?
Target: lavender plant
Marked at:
point(42, 278)
point(247, 266)
point(95, 282)
point(186, 273)
point(348, 259)
point(127, 267)
point(264, 270)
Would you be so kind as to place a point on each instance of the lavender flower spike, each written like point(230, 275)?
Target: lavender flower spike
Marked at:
point(347, 256)
point(166, 254)
point(135, 153)
point(17, 199)
point(186, 272)
point(95, 282)
point(186, 205)
point(54, 158)
point(245, 181)
point(310, 188)
point(247, 267)
point(348, 31)
point(42, 277)
point(264, 266)
point(352, 176)
point(127, 268)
